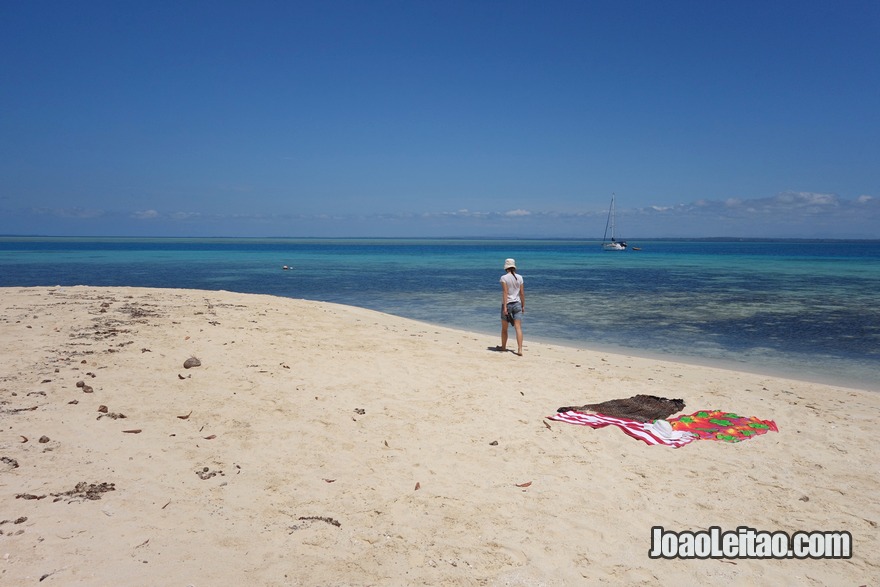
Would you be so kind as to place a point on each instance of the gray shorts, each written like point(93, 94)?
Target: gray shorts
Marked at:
point(514, 312)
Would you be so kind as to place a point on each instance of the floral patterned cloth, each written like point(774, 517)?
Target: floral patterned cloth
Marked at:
point(724, 426)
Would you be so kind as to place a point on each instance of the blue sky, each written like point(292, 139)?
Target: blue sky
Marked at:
point(440, 118)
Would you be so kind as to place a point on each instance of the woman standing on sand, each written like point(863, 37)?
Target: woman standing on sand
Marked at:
point(513, 305)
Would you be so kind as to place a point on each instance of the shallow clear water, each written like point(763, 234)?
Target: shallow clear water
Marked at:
point(804, 309)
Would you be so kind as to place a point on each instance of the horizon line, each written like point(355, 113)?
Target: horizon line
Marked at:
point(487, 238)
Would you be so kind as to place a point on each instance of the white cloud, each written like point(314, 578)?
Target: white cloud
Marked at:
point(463, 213)
point(791, 214)
point(69, 212)
point(184, 215)
point(784, 215)
point(806, 199)
point(145, 214)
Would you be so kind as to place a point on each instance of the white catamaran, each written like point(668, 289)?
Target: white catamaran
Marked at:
point(612, 245)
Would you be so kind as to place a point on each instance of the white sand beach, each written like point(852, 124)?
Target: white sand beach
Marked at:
point(320, 444)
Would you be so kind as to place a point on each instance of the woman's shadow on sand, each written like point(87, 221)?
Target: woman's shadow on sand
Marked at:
point(498, 349)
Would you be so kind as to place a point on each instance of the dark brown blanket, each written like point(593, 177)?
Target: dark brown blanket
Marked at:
point(642, 408)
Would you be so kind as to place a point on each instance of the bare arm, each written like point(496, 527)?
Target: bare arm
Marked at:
point(504, 298)
point(522, 296)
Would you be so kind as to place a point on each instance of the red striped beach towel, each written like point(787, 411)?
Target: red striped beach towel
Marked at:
point(638, 430)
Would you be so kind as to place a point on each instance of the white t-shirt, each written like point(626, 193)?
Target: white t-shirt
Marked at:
point(514, 283)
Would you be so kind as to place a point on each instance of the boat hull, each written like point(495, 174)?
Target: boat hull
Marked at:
point(614, 247)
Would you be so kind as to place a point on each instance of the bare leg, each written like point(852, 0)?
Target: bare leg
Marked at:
point(503, 334)
point(519, 336)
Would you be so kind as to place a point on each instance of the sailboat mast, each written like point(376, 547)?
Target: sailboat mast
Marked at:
point(609, 221)
point(612, 216)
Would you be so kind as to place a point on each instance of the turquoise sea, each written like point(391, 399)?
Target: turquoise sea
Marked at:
point(803, 309)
